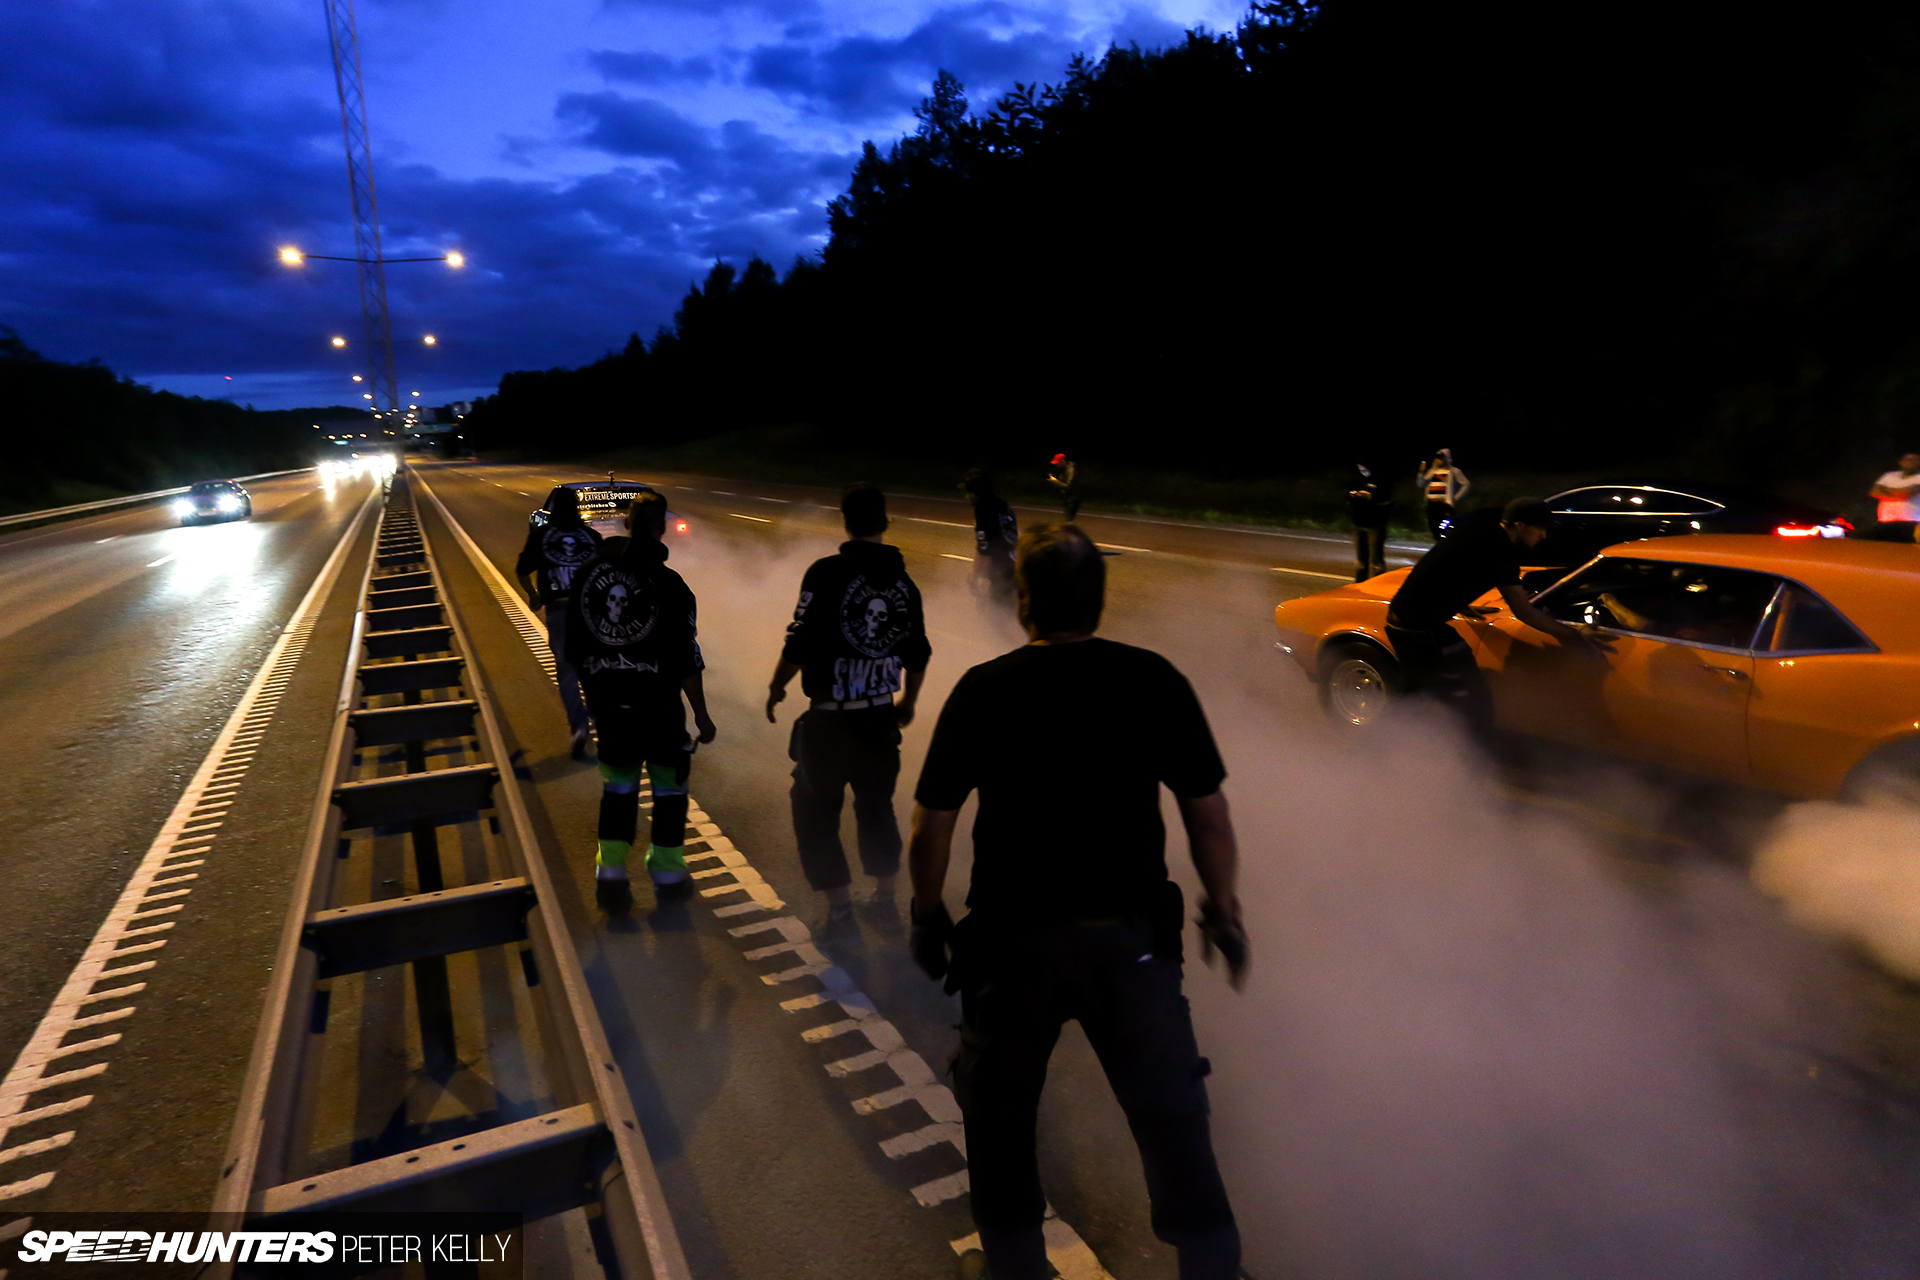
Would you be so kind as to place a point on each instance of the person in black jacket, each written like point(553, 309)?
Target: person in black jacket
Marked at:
point(857, 638)
point(1369, 502)
point(633, 636)
point(553, 554)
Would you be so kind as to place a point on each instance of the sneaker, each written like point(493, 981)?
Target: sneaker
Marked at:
point(582, 745)
point(838, 921)
point(612, 890)
point(882, 912)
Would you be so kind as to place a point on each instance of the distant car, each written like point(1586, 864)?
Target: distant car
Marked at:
point(1602, 515)
point(603, 505)
point(1788, 664)
point(213, 500)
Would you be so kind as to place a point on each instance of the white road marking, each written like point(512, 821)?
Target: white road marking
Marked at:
point(1313, 573)
point(757, 498)
point(1114, 546)
point(917, 1083)
point(109, 538)
point(722, 492)
point(28, 1075)
point(756, 519)
point(155, 564)
point(923, 520)
point(948, 555)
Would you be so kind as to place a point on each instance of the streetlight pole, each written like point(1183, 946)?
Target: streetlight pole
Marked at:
point(374, 318)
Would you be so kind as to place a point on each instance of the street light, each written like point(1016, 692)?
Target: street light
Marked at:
point(414, 393)
point(290, 255)
point(429, 339)
point(455, 258)
point(339, 342)
point(366, 395)
point(295, 257)
point(358, 378)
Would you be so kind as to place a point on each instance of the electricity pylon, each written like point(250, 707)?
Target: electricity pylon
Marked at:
point(378, 325)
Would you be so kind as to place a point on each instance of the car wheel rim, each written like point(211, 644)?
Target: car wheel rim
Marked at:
point(1356, 691)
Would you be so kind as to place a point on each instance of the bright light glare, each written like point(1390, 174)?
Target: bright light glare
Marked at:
point(456, 259)
point(358, 378)
point(291, 256)
point(413, 393)
point(181, 507)
point(429, 339)
point(366, 395)
point(339, 342)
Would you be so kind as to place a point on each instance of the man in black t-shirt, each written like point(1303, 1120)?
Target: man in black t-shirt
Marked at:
point(554, 552)
point(633, 636)
point(1067, 741)
point(1484, 553)
point(857, 637)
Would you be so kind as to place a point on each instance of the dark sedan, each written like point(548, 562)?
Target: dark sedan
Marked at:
point(213, 500)
point(1601, 515)
point(603, 506)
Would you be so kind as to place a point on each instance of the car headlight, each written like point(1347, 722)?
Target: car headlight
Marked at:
point(229, 503)
point(181, 507)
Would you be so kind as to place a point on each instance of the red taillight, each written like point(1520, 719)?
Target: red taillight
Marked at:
point(1798, 531)
point(679, 526)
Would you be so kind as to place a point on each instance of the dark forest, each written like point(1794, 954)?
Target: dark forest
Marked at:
point(1548, 236)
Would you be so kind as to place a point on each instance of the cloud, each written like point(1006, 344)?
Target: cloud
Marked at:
point(778, 10)
point(859, 78)
point(651, 68)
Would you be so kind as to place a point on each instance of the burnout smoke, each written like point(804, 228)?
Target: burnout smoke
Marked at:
point(1852, 871)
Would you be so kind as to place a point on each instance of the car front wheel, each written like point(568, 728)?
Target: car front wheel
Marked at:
point(1357, 681)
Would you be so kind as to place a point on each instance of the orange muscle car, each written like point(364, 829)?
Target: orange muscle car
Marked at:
point(1792, 665)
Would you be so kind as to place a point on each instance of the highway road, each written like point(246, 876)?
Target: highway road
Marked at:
point(125, 642)
point(1501, 1024)
point(1493, 1029)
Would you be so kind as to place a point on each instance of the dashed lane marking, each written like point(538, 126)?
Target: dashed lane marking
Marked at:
point(948, 555)
point(760, 498)
point(155, 564)
point(1114, 546)
point(756, 519)
point(188, 832)
point(792, 948)
point(109, 538)
point(1313, 573)
point(923, 520)
point(721, 492)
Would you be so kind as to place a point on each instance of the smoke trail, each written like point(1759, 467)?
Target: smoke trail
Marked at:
point(1852, 871)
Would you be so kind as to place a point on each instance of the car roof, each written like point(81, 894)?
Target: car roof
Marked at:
point(1876, 584)
point(618, 486)
point(1727, 494)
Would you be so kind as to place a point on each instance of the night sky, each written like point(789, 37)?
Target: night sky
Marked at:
point(590, 157)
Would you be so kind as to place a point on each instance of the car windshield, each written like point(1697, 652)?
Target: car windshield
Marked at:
point(1690, 603)
point(211, 486)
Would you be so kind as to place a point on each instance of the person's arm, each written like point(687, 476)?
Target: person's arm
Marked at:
point(1461, 486)
point(1526, 612)
point(695, 687)
point(527, 585)
point(1884, 494)
point(1216, 856)
point(783, 674)
point(908, 697)
point(929, 850)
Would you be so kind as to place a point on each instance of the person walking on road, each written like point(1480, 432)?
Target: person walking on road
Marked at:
point(1445, 486)
point(1898, 495)
point(1369, 502)
point(995, 534)
point(1065, 478)
point(1484, 553)
point(1067, 740)
point(552, 555)
point(858, 637)
point(633, 635)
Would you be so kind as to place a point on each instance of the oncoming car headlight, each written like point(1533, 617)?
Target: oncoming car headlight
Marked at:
point(228, 502)
point(181, 507)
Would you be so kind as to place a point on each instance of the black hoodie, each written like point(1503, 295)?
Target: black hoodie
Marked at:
point(632, 618)
point(857, 626)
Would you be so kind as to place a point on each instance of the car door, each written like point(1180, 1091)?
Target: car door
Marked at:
point(1676, 686)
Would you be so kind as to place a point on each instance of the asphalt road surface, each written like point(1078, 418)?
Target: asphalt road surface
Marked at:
point(1520, 1023)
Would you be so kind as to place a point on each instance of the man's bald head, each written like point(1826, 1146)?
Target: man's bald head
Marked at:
point(1062, 580)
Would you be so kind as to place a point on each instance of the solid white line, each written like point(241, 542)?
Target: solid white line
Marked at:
point(155, 564)
point(28, 1075)
point(756, 519)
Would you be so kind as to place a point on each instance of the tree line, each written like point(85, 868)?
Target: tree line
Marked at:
point(74, 428)
point(1548, 236)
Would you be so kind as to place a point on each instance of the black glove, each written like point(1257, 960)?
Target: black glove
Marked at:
point(1219, 933)
point(932, 931)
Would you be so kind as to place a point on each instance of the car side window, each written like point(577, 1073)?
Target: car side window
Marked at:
point(1801, 622)
point(1689, 603)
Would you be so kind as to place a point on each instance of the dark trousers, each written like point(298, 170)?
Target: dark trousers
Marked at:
point(1439, 519)
point(832, 751)
point(1369, 551)
point(570, 696)
point(1070, 507)
point(1017, 989)
point(636, 731)
point(1436, 662)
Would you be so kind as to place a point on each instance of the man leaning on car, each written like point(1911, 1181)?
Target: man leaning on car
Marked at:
point(1484, 554)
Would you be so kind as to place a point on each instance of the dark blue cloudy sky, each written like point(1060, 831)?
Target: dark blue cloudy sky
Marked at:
point(590, 157)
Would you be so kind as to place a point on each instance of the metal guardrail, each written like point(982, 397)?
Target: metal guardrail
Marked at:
point(498, 997)
point(131, 500)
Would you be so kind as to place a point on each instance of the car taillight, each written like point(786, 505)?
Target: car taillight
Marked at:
point(679, 526)
point(1798, 531)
